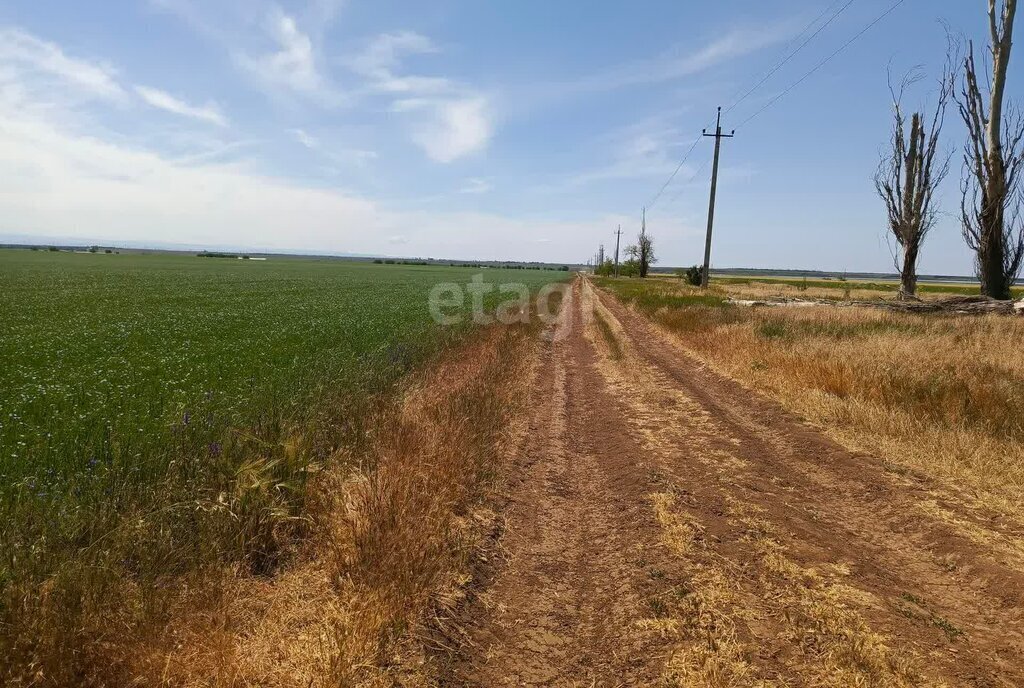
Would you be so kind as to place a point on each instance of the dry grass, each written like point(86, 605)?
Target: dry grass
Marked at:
point(765, 290)
point(943, 395)
point(712, 615)
point(703, 615)
point(393, 529)
point(820, 617)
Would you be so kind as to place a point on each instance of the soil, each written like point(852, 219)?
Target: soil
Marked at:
point(666, 525)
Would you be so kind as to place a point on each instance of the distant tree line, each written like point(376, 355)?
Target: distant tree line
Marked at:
point(218, 254)
point(453, 264)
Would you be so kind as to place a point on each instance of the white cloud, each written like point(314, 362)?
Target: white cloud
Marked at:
point(293, 65)
point(447, 121)
point(310, 142)
point(476, 185)
point(339, 157)
point(361, 157)
point(322, 13)
point(165, 101)
point(84, 188)
point(449, 129)
point(649, 148)
point(384, 52)
point(383, 56)
point(679, 62)
point(26, 53)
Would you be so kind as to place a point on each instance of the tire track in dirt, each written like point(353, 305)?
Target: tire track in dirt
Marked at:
point(667, 526)
point(580, 543)
point(912, 576)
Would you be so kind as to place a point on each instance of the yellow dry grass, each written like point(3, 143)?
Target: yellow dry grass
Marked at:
point(941, 395)
point(390, 552)
point(766, 290)
point(712, 616)
point(710, 653)
point(820, 617)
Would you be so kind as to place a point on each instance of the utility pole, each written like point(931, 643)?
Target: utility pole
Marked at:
point(711, 205)
point(600, 256)
point(618, 234)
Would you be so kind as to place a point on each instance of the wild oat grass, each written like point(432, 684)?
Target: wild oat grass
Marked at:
point(161, 418)
point(941, 394)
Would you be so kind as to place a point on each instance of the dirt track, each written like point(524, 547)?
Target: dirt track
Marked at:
point(667, 526)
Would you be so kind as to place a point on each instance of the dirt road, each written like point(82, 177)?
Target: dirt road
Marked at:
point(667, 526)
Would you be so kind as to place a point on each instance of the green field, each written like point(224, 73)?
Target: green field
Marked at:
point(162, 412)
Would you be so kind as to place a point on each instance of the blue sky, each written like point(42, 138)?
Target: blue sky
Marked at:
point(460, 128)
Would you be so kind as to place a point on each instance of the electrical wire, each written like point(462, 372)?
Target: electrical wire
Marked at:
point(821, 64)
point(774, 69)
point(674, 173)
point(791, 55)
point(781, 95)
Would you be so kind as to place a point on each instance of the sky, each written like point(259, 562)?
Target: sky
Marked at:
point(524, 130)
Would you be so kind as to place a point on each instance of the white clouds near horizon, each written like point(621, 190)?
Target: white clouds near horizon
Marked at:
point(95, 191)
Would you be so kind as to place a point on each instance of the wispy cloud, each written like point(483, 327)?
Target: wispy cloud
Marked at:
point(648, 148)
point(383, 53)
point(476, 185)
point(447, 120)
point(320, 14)
point(679, 62)
point(449, 129)
point(165, 101)
point(282, 53)
point(293, 64)
point(27, 53)
point(300, 135)
point(339, 157)
point(383, 56)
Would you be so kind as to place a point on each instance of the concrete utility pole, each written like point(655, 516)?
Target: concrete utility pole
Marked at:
point(618, 235)
point(714, 187)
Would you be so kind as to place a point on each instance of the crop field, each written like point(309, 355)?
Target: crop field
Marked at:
point(938, 394)
point(162, 413)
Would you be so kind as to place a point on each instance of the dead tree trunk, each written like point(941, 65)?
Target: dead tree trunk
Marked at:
point(907, 177)
point(991, 199)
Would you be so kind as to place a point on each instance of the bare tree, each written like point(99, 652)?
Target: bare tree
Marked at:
point(991, 192)
point(908, 175)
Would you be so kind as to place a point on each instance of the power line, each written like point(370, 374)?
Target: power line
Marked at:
point(821, 64)
point(689, 181)
point(770, 73)
point(674, 173)
point(791, 55)
point(776, 68)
